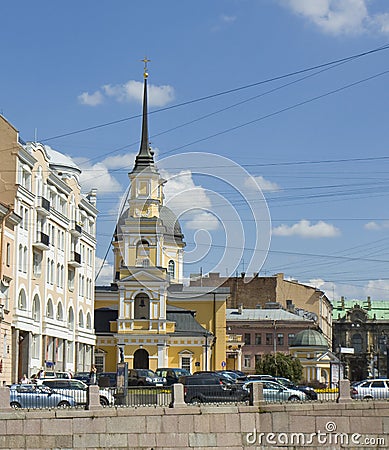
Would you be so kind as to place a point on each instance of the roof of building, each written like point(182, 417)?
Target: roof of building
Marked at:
point(170, 222)
point(186, 324)
point(309, 338)
point(263, 314)
point(59, 160)
point(375, 309)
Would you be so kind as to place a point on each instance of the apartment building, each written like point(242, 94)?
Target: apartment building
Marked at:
point(51, 307)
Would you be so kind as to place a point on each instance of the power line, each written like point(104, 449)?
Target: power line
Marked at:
point(207, 97)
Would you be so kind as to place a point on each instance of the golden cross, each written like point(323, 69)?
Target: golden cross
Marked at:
point(145, 60)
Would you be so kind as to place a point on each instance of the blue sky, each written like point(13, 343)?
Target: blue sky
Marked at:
point(315, 142)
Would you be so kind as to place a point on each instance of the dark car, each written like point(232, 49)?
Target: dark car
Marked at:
point(83, 376)
point(236, 376)
point(171, 374)
point(210, 388)
point(144, 377)
point(106, 379)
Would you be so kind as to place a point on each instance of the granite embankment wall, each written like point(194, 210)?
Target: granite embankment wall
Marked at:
point(331, 425)
point(326, 425)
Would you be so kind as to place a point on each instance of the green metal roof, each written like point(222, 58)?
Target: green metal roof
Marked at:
point(375, 309)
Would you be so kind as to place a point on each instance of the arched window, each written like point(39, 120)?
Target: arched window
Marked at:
point(71, 319)
point(141, 307)
point(88, 321)
point(22, 300)
point(171, 269)
point(50, 309)
point(142, 249)
point(81, 319)
point(356, 342)
point(36, 309)
point(59, 311)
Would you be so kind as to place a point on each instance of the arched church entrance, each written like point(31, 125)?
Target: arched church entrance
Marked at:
point(141, 359)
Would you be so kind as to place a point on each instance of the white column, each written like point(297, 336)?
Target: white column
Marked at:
point(161, 356)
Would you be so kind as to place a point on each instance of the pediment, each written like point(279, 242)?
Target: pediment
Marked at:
point(145, 276)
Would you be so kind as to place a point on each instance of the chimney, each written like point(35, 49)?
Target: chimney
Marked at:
point(240, 309)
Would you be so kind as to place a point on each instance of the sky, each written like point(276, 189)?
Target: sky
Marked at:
point(268, 118)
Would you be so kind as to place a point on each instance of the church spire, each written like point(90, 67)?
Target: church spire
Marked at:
point(145, 157)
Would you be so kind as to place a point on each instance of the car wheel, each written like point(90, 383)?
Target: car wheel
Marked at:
point(15, 405)
point(293, 398)
point(103, 401)
point(63, 404)
point(195, 401)
point(368, 397)
point(140, 383)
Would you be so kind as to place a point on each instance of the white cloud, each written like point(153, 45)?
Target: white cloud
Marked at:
point(340, 16)
point(382, 22)
point(189, 202)
point(91, 99)
point(130, 91)
point(96, 176)
point(227, 19)
point(374, 226)
point(305, 229)
point(265, 185)
point(106, 272)
point(204, 220)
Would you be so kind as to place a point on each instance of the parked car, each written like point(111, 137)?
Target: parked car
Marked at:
point(50, 374)
point(83, 376)
point(77, 389)
point(144, 377)
point(377, 388)
point(235, 375)
point(275, 392)
point(106, 379)
point(308, 391)
point(33, 396)
point(208, 388)
point(171, 374)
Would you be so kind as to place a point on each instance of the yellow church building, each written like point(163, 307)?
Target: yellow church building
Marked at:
point(146, 317)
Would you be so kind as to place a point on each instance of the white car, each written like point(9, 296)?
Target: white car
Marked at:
point(371, 389)
point(275, 392)
point(77, 389)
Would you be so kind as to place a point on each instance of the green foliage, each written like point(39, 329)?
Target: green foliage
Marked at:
point(280, 365)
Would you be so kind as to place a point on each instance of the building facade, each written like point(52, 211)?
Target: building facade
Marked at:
point(257, 291)
point(9, 221)
point(263, 331)
point(361, 337)
point(54, 253)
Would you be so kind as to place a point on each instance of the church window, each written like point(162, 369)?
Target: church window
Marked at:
point(143, 188)
point(171, 269)
point(142, 307)
point(142, 249)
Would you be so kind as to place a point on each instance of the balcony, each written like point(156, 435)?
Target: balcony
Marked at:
point(75, 259)
point(42, 241)
point(43, 206)
point(75, 229)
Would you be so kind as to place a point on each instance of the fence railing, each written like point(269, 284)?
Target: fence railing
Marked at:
point(177, 395)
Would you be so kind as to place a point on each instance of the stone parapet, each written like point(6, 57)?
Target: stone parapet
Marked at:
point(225, 427)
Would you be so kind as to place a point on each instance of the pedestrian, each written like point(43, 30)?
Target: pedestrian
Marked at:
point(25, 379)
point(93, 375)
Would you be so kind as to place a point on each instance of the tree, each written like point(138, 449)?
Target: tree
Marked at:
point(280, 365)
